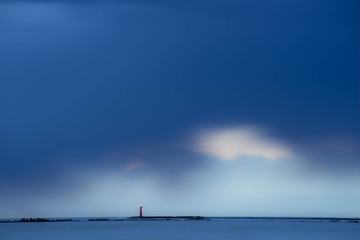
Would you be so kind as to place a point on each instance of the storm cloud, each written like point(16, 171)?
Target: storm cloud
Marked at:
point(126, 84)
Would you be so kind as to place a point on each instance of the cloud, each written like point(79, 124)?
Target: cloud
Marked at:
point(134, 166)
point(228, 143)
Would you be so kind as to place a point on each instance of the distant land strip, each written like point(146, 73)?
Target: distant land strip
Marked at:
point(181, 218)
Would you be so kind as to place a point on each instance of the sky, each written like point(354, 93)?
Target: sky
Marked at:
point(188, 107)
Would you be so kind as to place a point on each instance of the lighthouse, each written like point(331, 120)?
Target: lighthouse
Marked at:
point(140, 210)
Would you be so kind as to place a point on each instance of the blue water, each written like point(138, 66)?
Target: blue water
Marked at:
point(221, 229)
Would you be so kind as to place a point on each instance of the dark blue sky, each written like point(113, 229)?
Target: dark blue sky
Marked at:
point(127, 85)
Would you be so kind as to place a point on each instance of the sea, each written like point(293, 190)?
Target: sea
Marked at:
point(180, 229)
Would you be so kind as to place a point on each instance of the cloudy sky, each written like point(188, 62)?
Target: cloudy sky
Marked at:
point(189, 107)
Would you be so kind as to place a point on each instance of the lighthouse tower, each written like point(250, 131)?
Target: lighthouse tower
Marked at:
point(140, 210)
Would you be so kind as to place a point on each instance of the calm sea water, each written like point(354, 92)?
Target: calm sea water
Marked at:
point(167, 230)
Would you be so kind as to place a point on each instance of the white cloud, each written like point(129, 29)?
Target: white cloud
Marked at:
point(230, 142)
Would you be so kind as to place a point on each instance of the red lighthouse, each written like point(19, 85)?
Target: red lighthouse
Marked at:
point(140, 210)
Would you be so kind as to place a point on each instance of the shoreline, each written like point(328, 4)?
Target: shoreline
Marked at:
point(180, 218)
